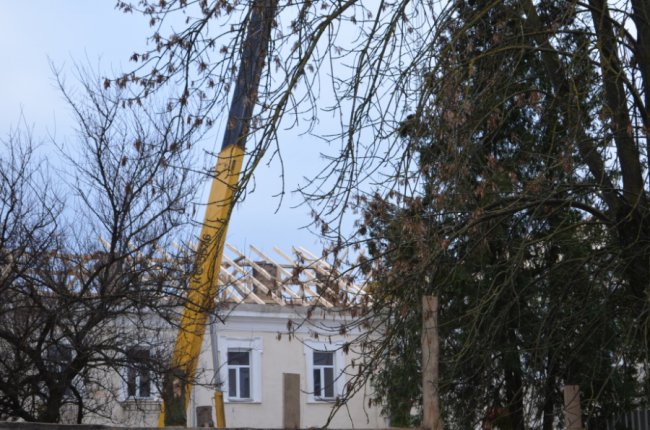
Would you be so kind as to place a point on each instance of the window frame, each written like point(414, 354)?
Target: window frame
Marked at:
point(254, 346)
point(324, 385)
point(132, 366)
point(58, 356)
point(338, 365)
point(237, 369)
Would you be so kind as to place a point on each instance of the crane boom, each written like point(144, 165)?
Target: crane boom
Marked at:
point(203, 283)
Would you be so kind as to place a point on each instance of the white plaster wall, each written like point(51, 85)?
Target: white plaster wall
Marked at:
point(284, 355)
point(105, 395)
point(203, 392)
point(280, 354)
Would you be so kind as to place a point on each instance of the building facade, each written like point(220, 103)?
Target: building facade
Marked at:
point(274, 319)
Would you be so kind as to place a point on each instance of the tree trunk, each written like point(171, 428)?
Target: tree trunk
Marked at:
point(430, 358)
point(514, 384)
point(548, 411)
point(52, 410)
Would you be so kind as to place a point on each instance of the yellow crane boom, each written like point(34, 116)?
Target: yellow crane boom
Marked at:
point(203, 283)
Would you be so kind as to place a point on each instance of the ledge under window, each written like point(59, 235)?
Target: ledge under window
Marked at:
point(142, 405)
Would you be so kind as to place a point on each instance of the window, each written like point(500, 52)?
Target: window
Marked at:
point(323, 373)
point(138, 374)
point(58, 358)
point(239, 374)
point(325, 364)
point(240, 369)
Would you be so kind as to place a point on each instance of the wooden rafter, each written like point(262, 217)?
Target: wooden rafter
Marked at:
point(305, 280)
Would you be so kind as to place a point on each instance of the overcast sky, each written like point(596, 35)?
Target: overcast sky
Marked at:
point(34, 33)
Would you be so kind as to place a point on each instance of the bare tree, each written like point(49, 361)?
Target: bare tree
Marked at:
point(90, 283)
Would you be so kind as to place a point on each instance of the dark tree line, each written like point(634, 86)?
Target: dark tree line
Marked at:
point(529, 218)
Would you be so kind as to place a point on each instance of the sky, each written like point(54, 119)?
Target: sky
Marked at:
point(36, 34)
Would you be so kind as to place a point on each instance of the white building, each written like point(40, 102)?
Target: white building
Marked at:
point(278, 318)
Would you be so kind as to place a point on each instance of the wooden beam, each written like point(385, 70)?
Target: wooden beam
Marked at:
point(290, 275)
point(326, 269)
point(430, 359)
point(572, 410)
point(291, 400)
point(261, 270)
point(247, 275)
point(237, 284)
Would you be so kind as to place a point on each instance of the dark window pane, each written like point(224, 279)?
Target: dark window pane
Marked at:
point(138, 355)
point(138, 381)
point(329, 382)
point(232, 382)
point(65, 355)
point(238, 357)
point(130, 382)
point(323, 358)
point(244, 383)
point(59, 357)
point(317, 383)
point(145, 385)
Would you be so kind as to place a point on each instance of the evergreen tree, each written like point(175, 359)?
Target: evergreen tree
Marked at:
point(507, 231)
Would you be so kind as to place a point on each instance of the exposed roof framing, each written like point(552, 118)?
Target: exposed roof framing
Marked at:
point(302, 279)
point(296, 278)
